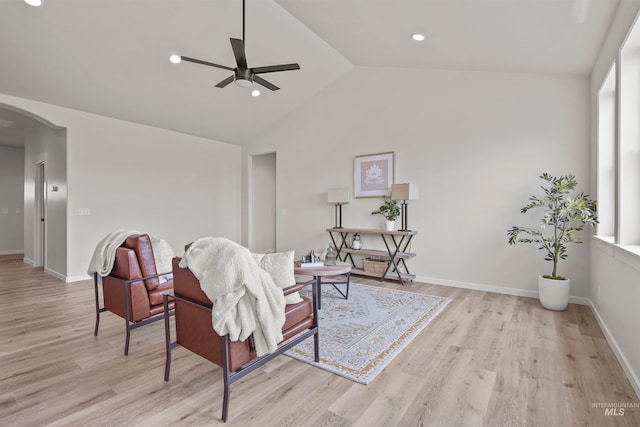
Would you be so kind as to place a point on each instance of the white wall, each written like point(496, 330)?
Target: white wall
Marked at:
point(171, 185)
point(11, 200)
point(475, 142)
point(167, 184)
point(262, 205)
point(615, 273)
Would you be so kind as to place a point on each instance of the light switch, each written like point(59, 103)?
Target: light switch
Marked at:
point(84, 211)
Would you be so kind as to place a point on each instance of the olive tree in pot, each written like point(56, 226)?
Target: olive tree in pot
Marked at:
point(564, 218)
point(390, 211)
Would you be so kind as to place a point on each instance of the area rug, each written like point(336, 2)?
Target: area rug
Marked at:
point(361, 335)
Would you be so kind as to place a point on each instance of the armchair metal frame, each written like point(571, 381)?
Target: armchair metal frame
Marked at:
point(229, 376)
point(129, 325)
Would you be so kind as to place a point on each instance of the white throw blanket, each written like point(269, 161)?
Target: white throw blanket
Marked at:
point(104, 255)
point(245, 299)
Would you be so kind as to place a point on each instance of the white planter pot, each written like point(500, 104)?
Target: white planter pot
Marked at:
point(389, 225)
point(553, 294)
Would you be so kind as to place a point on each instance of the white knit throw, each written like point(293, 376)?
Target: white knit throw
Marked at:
point(104, 255)
point(245, 299)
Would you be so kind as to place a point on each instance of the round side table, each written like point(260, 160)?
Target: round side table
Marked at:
point(341, 268)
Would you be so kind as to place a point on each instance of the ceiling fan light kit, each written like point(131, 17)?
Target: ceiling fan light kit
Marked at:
point(245, 83)
point(243, 76)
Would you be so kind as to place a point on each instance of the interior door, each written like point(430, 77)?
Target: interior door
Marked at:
point(41, 216)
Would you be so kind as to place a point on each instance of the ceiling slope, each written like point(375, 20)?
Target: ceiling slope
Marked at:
point(110, 57)
point(540, 36)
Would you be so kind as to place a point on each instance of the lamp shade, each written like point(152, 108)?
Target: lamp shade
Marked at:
point(338, 195)
point(407, 191)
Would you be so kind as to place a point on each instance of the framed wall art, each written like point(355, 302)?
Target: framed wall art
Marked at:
point(373, 174)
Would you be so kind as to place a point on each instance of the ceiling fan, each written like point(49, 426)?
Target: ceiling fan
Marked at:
point(242, 74)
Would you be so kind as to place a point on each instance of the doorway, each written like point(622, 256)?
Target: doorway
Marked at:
point(45, 163)
point(262, 203)
point(40, 225)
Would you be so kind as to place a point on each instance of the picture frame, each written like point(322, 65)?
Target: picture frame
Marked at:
point(373, 174)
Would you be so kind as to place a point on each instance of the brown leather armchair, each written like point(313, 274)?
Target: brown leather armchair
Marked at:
point(194, 331)
point(134, 289)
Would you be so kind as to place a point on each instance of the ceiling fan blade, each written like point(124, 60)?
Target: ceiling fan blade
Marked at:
point(263, 82)
point(225, 81)
point(198, 61)
point(275, 68)
point(238, 51)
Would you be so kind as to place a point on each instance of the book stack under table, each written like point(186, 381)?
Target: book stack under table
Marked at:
point(392, 257)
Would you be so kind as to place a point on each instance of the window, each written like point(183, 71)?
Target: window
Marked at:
point(618, 170)
point(628, 229)
point(607, 156)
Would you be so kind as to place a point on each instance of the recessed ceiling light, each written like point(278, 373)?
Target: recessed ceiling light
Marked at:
point(175, 59)
point(255, 92)
point(33, 2)
point(417, 37)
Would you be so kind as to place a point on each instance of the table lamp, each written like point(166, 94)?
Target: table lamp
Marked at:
point(339, 197)
point(404, 192)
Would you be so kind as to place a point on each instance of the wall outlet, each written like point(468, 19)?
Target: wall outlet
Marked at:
point(84, 211)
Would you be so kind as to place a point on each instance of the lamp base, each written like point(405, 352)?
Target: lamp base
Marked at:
point(404, 215)
point(338, 215)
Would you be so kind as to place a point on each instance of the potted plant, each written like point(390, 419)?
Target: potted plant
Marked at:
point(564, 218)
point(390, 211)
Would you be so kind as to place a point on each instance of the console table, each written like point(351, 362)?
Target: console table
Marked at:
point(395, 242)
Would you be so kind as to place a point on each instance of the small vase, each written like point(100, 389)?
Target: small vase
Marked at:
point(330, 257)
point(389, 225)
point(356, 244)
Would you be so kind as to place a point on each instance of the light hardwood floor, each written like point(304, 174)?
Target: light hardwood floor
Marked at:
point(487, 360)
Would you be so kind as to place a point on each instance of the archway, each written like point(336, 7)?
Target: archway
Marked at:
point(44, 208)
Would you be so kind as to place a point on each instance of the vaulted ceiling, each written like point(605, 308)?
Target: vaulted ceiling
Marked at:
point(110, 57)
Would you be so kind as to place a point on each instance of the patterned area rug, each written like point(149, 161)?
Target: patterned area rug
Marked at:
point(361, 335)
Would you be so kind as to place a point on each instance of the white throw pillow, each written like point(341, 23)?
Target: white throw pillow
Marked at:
point(162, 254)
point(279, 265)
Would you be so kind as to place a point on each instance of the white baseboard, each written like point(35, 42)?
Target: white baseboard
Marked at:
point(29, 261)
point(580, 300)
point(12, 252)
point(55, 274)
point(628, 370)
point(78, 278)
point(493, 288)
